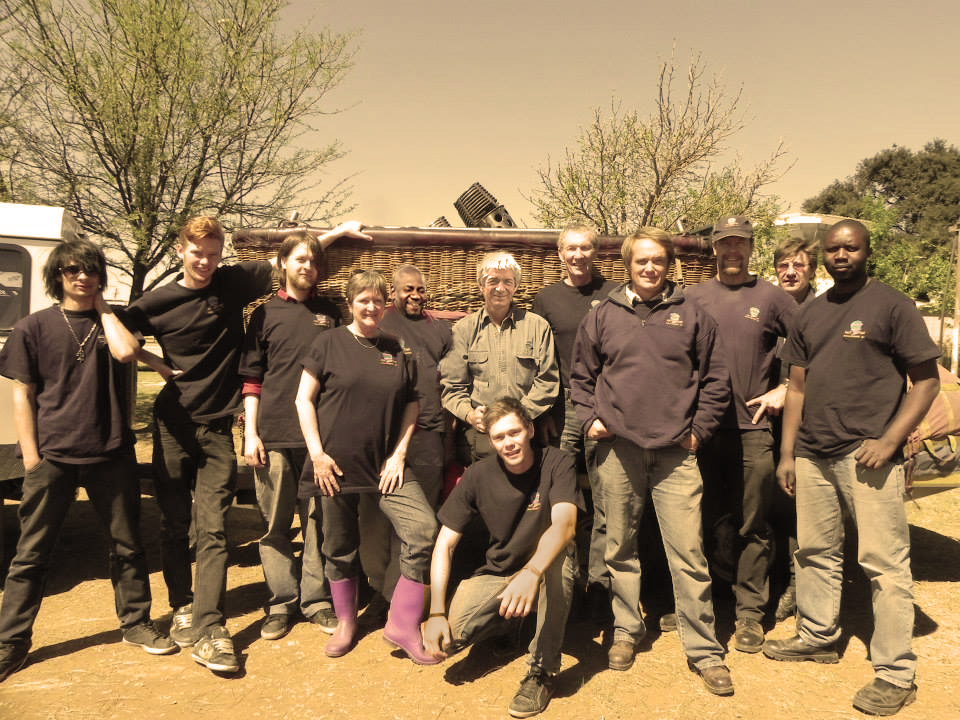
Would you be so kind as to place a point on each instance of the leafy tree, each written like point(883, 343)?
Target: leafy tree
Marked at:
point(628, 171)
point(137, 114)
point(910, 199)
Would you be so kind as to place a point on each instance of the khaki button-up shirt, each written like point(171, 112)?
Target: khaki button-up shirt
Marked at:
point(487, 362)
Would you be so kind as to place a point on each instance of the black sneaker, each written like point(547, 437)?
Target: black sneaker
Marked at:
point(326, 618)
point(181, 627)
point(533, 696)
point(882, 698)
point(275, 626)
point(147, 636)
point(13, 656)
point(215, 650)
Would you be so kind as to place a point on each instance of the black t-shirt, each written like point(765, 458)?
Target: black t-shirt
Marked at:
point(564, 306)
point(856, 352)
point(429, 338)
point(750, 319)
point(82, 407)
point(516, 509)
point(279, 334)
point(201, 332)
point(364, 389)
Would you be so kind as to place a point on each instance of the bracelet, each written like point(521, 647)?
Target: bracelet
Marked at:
point(437, 614)
point(532, 569)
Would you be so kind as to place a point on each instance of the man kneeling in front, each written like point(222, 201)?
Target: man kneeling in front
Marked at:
point(528, 498)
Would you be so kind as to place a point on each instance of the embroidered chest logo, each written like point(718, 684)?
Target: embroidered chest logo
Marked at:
point(323, 321)
point(674, 320)
point(753, 314)
point(214, 306)
point(388, 359)
point(535, 502)
point(856, 331)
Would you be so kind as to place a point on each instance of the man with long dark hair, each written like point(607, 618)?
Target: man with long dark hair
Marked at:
point(71, 408)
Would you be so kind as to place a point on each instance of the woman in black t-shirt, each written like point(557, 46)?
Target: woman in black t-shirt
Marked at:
point(358, 409)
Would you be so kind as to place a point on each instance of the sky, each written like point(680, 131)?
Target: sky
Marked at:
point(447, 93)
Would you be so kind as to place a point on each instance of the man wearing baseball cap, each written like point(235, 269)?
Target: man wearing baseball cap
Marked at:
point(737, 463)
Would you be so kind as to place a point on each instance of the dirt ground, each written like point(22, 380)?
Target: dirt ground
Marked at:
point(80, 669)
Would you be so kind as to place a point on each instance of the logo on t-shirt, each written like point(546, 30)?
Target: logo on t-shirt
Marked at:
point(214, 306)
point(855, 332)
point(535, 502)
point(674, 320)
point(388, 359)
point(753, 314)
point(323, 321)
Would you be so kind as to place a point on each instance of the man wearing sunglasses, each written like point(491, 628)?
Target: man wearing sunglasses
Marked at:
point(71, 408)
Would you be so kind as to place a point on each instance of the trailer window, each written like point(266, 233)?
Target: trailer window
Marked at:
point(14, 286)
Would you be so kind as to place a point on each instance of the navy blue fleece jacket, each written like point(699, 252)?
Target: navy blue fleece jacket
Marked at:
point(650, 379)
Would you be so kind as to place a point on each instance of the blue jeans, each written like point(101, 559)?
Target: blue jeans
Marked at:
point(627, 472)
point(475, 611)
point(874, 499)
point(293, 584)
point(195, 478)
point(584, 449)
point(48, 491)
point(408, 513)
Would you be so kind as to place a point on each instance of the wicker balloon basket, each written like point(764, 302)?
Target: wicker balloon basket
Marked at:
point(448, 258)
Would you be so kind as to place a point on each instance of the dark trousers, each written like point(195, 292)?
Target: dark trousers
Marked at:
point(408, 513)
point(48, 492)
point(195, 474)
point(739, 479)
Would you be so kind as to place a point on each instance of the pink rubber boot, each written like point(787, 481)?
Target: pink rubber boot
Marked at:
point(344, 596)
point(403, 621)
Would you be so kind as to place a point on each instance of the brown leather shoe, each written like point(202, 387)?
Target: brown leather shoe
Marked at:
point(621, 655)
point(717, 679)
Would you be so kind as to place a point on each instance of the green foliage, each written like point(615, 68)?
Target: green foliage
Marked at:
point(137, 114)
point(629, 171)
point(909, 199)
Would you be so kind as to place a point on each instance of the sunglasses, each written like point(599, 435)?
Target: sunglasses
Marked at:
point(71, 271)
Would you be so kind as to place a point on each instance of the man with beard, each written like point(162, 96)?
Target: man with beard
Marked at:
point(846, 419)
point(279, 332)
point(737, 462)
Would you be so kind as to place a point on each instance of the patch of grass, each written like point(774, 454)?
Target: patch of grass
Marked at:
point(149, 384)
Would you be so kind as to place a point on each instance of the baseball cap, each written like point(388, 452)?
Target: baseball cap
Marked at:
point(732, 226)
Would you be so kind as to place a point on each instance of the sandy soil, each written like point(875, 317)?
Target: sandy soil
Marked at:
point(80, 669)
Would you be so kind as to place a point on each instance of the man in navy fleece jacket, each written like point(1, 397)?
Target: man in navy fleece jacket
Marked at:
point(649, 386)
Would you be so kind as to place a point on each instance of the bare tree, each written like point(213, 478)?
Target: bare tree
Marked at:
point(628, 171)
point(137, 114)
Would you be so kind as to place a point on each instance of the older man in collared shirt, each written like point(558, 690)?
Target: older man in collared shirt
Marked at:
point(499, 350)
